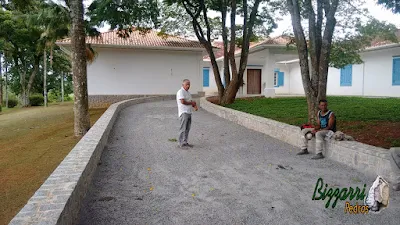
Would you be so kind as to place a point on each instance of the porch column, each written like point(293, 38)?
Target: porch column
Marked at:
point(268, 75)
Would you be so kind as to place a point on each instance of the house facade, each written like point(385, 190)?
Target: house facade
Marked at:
point(142, 64)
point(258, 78)
point(377, 76)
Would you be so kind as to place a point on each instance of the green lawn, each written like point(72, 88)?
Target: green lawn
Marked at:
point(294, 110)
point(33, 142)
point(357, 116)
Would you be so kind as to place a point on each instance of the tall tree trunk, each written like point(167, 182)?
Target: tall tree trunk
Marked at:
point(22, 77)
point(228, 93)
point(62, 87)
point(79, 70)
point(45, 77)
point(1, 80)
point(314, 81)
point(227, 77)
point(6, 85)
point(32, 78)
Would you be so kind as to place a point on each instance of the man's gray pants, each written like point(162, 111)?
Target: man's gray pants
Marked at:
point(186, 122)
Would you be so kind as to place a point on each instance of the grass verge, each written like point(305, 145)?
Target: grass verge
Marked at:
point(33, 142)
point(374, 121)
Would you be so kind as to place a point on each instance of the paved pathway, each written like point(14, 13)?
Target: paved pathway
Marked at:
point(231, 176)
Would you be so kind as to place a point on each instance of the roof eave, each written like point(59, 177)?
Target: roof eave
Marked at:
point(139, 47)
point(381, 47)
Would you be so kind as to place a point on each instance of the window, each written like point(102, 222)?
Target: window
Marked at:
point(281, 77)
point(396, 71)
point(278, 78)
point(206, 77)
point(346, 74)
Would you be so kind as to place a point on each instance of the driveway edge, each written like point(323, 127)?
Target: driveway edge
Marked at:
point(59, 198)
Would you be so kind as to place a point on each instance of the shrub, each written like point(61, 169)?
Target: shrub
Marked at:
point(36, 100)
point(53, 96)
point(68, 98)
point(11, 103)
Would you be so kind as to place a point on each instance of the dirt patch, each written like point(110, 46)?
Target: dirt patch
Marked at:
point(213, 99)
point(33, 142)
point(377, 133)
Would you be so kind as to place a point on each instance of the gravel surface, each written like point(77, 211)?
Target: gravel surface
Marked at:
point(233, 175)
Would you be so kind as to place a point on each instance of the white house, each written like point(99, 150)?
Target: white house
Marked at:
point(259, 77)
point(142, 64)
point(379, 75)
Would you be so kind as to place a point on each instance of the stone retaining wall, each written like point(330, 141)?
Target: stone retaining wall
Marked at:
point(104, 101)
point(366, 158)
point(59, 198)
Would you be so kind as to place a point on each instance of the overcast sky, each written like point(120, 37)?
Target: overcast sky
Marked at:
point(375, 10)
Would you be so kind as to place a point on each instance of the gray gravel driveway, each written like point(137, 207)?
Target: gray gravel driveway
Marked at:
point(232, 176)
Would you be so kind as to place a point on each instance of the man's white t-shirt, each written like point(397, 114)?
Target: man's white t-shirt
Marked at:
point(183, 94)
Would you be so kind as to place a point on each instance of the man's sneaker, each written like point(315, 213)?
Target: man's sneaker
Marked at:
point(318, 156)
point(183, 146)
point(188, 145)
point(303, 152)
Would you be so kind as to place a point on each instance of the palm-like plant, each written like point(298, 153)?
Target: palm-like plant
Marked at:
point(55, 21)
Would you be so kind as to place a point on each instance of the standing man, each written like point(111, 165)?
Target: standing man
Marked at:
point(185, 104)
point(326, 122)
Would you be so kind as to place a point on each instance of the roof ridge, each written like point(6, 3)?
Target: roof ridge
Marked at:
point(134, 37)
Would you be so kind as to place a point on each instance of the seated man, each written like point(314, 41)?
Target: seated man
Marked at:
point(327, 122)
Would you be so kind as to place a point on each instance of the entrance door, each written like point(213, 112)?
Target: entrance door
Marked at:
point(253, 81)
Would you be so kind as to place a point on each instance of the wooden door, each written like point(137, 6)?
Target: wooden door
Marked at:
point(253, 81)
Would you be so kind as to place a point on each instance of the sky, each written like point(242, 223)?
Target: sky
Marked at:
point(375, 10)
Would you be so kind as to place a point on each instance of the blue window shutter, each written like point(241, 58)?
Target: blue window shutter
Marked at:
point(346, 74)
point(281, 77)
point(396, 71)
point(206, 77)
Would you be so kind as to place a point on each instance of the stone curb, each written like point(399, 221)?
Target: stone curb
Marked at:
point(59, 198)
point(365, 158)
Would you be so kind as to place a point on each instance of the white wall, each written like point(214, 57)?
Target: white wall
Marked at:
point(254, 62)
point(133, 72)
point(293, 84)
point(372, 78)
point(378, 73)
point(286, 80)
point(333, 85)
point(212, 85)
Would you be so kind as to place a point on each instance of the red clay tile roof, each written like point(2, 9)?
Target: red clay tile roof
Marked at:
point(281, 40)
point(219, 52)
point(150, 39)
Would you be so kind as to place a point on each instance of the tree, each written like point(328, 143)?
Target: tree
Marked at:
point(79, 69)
point(249, 11)
point(21, 40)
point(1, 80)
point(321, 49)
point(55, 21)
point(393, 5)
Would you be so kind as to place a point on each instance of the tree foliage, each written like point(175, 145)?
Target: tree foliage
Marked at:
point(124, 15)
point(24, 36)
point(255, 16)
point(393, 5)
